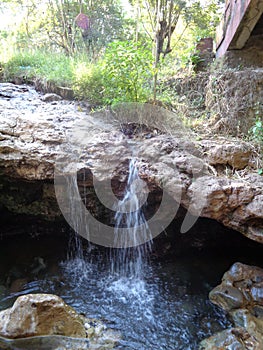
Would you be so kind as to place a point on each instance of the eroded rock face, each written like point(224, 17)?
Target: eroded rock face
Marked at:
point(232, 339)
point(35, 134)
point(45, 321)
point(236, 155)
point(241, 295)
point(40, 314)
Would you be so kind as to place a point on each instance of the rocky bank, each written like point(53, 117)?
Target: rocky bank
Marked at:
point(213, 178)
point(241, 295)
point(45, 321)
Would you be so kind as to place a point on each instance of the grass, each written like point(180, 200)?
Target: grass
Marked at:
point(46, 66)
point(100, 83)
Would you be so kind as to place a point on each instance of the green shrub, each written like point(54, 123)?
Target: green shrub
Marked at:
point(124, 74)
point(89, 82)
point(256, 131)
point(128, 72)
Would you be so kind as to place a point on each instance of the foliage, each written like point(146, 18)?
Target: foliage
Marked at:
point(203, 19)
point(89, 82)
point(128, 70)
point(122, 75)
point(52, 24)
point(100, 63)
point(31, 65)
point(257, 134)
point(185, 20)
point(257, 130)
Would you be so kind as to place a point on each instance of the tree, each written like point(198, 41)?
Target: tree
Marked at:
point(105, 24)
point(164, 20)
point(163, 16)
point(53, 23)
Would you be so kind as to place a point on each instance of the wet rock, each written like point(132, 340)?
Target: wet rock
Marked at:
point(227, 297)
point(51, 97)
point(231, 339)
point(241, 287)
point(40, 314)
point(252, 324)
point(45, 321)
point(241, 295)
point(50, 342)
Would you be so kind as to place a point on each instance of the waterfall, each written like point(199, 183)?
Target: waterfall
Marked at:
point(129, 262)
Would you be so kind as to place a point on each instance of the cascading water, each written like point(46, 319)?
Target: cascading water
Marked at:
point(129, 262)
point(155, 306)
point(152, 305)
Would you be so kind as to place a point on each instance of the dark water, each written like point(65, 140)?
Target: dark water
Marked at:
point(165, 308)
point(168, 309)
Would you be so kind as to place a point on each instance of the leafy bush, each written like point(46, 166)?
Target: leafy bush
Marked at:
point(123, 75)
point(256, 131)
point(128, 72)
point(89, 82)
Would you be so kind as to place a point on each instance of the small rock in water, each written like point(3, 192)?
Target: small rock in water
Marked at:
point(51, 98)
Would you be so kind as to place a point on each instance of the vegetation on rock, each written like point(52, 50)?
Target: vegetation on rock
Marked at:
point(88, 45)
point(132, 51)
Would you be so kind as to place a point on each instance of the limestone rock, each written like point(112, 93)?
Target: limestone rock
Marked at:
point(41, 137)
point(237, 155)
point(40, 314)
point(231, 339)
point(241, 287)
point(51, 97)
point(227, 297)
point(45, 321)
point(65, 92)
point(240, 294)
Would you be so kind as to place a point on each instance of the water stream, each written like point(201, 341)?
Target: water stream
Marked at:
point(167, 309)
point(130, 262)
point(155, 304)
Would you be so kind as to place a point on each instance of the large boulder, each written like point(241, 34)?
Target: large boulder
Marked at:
point(41, 314)
point(45, 321)
point(241, 295)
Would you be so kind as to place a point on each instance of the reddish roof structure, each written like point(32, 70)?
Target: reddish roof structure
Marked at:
point(242, 19)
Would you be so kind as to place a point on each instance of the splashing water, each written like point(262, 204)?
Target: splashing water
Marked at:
point(153, 306)
point(129, 219)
